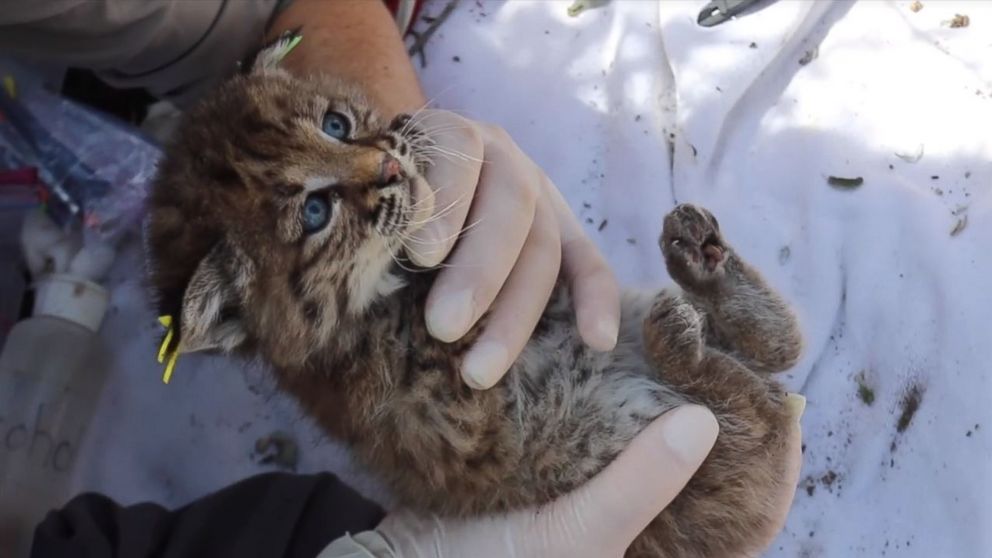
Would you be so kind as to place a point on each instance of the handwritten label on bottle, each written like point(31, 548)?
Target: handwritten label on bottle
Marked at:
point(24, 438)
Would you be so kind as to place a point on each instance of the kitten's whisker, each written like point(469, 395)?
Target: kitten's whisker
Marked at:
point(437, 130)
point(420, 203)
point(419, 111)
point(456, 235)
point(397, 261)
point(449, 150)
point(435, 217)
point(441, 265)
point(451, 154)
point(439, 213)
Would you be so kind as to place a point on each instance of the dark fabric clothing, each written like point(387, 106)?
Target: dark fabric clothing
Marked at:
point(270, 515)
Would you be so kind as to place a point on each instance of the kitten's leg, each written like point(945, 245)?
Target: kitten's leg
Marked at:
point(725, 508)
point(743, 315)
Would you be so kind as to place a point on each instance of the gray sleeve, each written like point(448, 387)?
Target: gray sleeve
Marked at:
point(173, 48)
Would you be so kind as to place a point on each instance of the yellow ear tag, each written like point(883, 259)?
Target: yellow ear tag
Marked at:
point(164, 355)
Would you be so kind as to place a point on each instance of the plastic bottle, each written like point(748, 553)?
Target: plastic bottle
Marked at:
point(51, 376)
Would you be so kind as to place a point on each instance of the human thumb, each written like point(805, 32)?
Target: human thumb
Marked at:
point(619, 502)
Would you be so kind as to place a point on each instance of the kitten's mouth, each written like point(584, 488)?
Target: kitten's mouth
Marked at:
point(407, 148)
point(406, 208)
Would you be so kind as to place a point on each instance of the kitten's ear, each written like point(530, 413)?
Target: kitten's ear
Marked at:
point(210, 317)
point(269, 56)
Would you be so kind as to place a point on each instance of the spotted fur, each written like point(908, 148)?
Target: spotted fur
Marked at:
point(342, 324)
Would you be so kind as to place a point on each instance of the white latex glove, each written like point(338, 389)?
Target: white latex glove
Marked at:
point(521, 233)
point(599, 520)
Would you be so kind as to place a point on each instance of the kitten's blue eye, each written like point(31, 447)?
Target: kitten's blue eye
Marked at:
point(336, 125)
point(316, 213)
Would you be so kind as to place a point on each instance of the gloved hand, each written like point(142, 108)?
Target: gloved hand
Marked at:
point(598, 520)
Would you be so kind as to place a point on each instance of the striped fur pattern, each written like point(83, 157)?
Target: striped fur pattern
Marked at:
point(342, 324)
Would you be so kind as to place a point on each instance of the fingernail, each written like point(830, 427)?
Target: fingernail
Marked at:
point(484, 364)
point(607, 330)
point(449, 317)
point(796, 404)
point(690, 433)
point(428, 249)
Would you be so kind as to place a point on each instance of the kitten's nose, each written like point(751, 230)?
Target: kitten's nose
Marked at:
point(391, 171)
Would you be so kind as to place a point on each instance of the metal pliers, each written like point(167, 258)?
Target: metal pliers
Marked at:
point(719, 11)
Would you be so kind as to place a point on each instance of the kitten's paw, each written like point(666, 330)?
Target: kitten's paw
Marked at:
point(674, 316)
point(694, 249)
point(673, 333)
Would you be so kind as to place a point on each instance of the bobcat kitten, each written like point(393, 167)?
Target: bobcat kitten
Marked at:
point(276, 228)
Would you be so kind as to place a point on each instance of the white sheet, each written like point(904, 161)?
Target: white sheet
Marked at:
point(632, 107)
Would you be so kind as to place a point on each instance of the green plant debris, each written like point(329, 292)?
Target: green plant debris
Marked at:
point(865, 393)
point(960, 225)
point(845, 183)
point(580, 6)
point(910, 404)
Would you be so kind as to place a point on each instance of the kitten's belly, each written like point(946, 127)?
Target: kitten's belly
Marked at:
point(578, 408)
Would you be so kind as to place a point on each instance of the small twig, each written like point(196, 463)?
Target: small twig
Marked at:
point(420, 39)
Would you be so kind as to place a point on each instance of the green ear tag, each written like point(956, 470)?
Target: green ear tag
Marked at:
point(288, 47)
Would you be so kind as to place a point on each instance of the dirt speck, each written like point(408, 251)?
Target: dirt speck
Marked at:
point(828, 479)
point(631, 241)
point(279, 449)
point(602, 224)
point(916, 6)
point(809, 56)
point(589, 220)
point(784, 254)
point(752, 45)
point(865, 393)
point(909, 405)
point(456, 58)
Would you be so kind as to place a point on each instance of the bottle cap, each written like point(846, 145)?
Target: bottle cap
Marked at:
point(71, 298)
